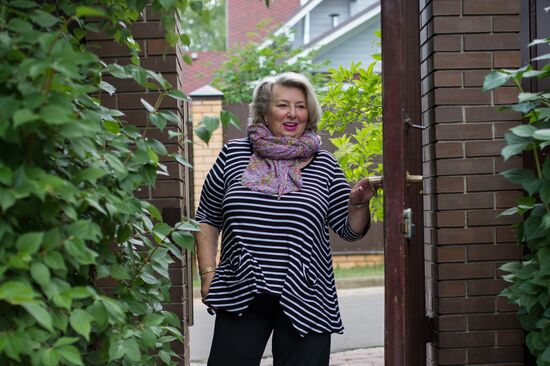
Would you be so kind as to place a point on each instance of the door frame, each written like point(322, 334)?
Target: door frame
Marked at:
point(405, 332)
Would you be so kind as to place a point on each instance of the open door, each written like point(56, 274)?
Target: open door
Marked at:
point(405, 315)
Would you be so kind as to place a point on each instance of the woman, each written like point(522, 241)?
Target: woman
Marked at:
point(274, 196)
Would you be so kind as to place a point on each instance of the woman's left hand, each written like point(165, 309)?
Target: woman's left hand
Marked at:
point(361, 193)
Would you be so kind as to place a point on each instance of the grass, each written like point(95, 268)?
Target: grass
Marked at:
point(373, 271)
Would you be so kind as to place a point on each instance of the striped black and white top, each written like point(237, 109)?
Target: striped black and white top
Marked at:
point(277, 246)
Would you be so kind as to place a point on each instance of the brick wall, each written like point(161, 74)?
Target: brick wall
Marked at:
point(466, 240)
point(357, 260)
point(170, 194)
point(205, 155)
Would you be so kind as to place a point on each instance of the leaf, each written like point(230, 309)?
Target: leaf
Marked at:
point(5, 175)
point(65, 341)
point(81, 321)
point(40, 273)
point(24, 4)
point(50, 357)
point(23, 116)
point(184, 239)
point(518, 175)
point(524, 130)
point(40, 314)
point(119, 272)
point(55, 115)
point(542, 134)
point(131, 350)
point(177, 94)
point(29, 243)
point(229, 118)
point(16, 292)
point(180, 159)
point(44, 19)
point(147, 106)
point(83, 11)
point(203, 133)
point(71, 355)
point(149, 278)
point(103, 85)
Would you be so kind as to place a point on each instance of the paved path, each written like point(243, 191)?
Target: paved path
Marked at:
point(356, 357)
point(363, 316)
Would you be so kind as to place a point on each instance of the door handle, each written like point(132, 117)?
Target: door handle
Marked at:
point(408, 229)
point(410, 178)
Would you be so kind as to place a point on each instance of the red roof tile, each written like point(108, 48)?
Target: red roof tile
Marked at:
point(200, 73)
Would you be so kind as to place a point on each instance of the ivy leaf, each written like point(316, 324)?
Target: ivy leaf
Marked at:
point(40, 314)
point(495, 79)
point(44, 19)
point(16, 292)
point(184, 239)
point(40, 273)
point(83, 11)
point(177, 94)
point(55, 115)
point(103, 85)
point(81, 321)
point(147, 106)
point(70, 354)
point(28, 243)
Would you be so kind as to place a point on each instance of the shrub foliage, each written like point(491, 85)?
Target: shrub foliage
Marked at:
point(530, 278)
point(69, 168)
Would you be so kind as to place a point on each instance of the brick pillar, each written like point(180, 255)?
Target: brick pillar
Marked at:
point(466, 241)
point(171, 194)
point(207, 101)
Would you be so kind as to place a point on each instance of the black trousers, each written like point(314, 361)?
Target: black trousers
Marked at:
point(241, 340)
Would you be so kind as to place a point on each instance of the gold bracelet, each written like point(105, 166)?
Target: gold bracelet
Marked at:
point(206, 270)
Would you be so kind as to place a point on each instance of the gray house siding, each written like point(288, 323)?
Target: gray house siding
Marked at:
point(358, 45)
point(320, 16)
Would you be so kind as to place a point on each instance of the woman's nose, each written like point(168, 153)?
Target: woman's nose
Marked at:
point(292, 111)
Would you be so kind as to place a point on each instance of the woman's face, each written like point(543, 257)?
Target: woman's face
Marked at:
point(287, 112)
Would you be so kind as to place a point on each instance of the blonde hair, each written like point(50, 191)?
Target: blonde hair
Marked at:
point(264, 90)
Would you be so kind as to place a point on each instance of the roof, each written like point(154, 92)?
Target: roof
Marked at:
point(206, 91)
point(243, 17)
point(333, 34)
point(201, 72)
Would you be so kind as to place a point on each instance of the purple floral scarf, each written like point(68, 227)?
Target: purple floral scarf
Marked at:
point(273, 167)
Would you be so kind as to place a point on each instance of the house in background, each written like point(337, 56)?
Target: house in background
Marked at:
point(340, 31)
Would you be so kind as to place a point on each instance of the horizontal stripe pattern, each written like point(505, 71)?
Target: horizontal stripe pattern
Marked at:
point(278, 246)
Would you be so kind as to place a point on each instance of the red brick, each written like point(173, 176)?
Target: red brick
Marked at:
point(448, 114)
point(450, 323)
point(465, 235)
point(463, 131)
point(492, 355)
point(168, 189)
point(464, 166)
point(469, 60)
point(506, 95)
point(488, 113)
point(159, 47)
point(458, 305)
point(147, 30)
point(507, 199)
point(510, 337)
point(485, 42)
point(484, 148)
point(493, 322)
point(133, 101)
point(465, 271)
point(450, 254)
point(474, 77)
point(470, 339)
point(124, 85)
point(507, 59)
point(494, 252)
point(110, 48)
point(458, 201)
point(447, 78)
point(462, 96)
point(501, 165)
point(450, 184)
point(462, 25)
point(447, 43)
point(502, 128)
point(504, 305)
point(162, 64)
point(490, 218)
point(485, 287)
point(449, 150)
point(489, 183)
point(451, 219)
point(451, 288)
point(450, 356)
point(490, 7)
point(446, 7)
point(505, 235)
point(506, 23)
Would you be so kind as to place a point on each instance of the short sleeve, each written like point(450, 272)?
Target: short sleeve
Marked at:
point(213, 191)
point(338, 218)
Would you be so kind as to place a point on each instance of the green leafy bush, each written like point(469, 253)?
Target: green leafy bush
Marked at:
point(69, 168)
point(530, 279)
point(353, 116)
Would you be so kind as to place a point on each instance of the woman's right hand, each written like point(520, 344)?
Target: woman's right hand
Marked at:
point(206, 281)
